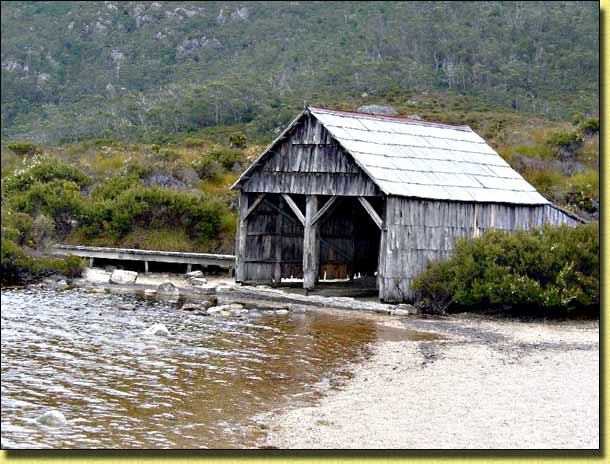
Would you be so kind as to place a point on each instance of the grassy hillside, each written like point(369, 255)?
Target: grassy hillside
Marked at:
point(175, 195)
point(143, 71)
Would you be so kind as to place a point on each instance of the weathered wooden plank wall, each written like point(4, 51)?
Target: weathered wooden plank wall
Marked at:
point(417, 232)
point(273, 242)
point(308, 161)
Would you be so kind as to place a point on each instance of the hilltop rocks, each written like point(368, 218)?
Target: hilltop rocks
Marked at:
point(378, 109)
point(123, 277)
point(52, 418)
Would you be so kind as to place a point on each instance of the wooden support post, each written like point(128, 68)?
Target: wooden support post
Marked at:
point(383, 255)
point(189, 268)
point(311, 244)
point(240, 245)
point(90, 262)
point(145, 267)
point(277, 270)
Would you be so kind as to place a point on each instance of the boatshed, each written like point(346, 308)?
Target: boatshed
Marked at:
point(344, 195)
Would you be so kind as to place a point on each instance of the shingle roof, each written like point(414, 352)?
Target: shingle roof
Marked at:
point(413, 158)
point(408, 157)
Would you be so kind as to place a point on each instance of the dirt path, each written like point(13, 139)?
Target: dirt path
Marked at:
point(487, 384)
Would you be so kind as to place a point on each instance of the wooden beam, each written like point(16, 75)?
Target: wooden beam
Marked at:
point(311, 244)
point(277, 270)
point(325, 209)
point(242, 232)
point(254, 205)
point(369, 209)
point(293, 206)
point(282, 212)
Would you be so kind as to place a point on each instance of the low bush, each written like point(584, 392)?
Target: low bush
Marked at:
point(207, 168)
point(565, 138)
point(42, 171)
point(238, 140)
point(61, 200)
point(20, 267)
point(22, 148)
point(154, 207)
point(228, 159)
point(590, 126)
point(552, 269)
point(194, 143)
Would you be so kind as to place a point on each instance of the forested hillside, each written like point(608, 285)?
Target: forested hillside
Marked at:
point(143, 70)
point(124, 123)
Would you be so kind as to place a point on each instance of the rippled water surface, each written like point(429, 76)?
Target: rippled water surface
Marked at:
point(204, 386)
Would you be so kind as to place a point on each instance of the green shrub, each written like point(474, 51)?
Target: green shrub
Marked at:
point(20, 267)
point(590, 126)
point(115, 186)
point(565, 138)
point(20, 223)
point(138, 169)
point(194, 143)
point(10, 233)
point(552, 268)
point(61, 200)
point(207, 168)
point(154, 207)
point(229, 159)
point(44, 170)
point(24, 148)
point(238, 140)
point(167, 155)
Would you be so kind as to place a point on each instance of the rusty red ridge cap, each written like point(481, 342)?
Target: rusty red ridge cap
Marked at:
point(385, 116)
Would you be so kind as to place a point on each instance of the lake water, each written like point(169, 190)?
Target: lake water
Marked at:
point(208, 385)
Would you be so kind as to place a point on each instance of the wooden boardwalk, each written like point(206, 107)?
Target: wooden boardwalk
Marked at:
point(146, 256)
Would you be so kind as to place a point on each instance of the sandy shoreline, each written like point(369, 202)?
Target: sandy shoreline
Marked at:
point(488, 384)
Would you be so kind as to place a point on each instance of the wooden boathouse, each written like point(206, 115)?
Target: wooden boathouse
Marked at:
point(342, 194)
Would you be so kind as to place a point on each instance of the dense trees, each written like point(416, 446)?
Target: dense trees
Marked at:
point(132, 70)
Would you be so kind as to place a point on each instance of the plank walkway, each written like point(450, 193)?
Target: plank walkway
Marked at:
point(146, 256)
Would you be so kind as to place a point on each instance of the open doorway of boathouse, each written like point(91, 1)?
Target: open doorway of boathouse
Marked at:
point(324, 244)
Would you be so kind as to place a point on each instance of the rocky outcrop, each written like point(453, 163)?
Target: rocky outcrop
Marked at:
point(378, 109)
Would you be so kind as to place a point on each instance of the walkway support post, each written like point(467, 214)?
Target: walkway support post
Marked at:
point(311, 244)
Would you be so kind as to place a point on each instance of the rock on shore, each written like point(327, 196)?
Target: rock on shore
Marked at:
point(119, 276)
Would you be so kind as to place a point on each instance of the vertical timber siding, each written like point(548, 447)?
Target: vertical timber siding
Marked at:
point(417, 232)
point(309, 161)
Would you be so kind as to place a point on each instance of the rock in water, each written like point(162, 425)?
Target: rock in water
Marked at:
point(190, 307)
point(196, 281)
point(157, 329)
point(168, 291)
point(52, 418)
point(123, 277)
